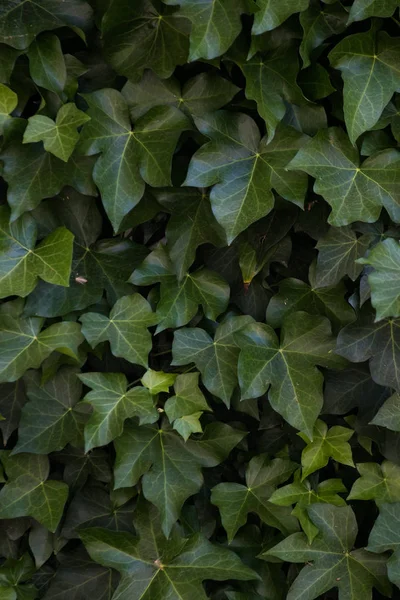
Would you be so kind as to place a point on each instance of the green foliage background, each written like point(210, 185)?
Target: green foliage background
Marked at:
point(200, 314)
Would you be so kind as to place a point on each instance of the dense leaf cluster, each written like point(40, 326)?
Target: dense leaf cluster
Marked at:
point(200, 314)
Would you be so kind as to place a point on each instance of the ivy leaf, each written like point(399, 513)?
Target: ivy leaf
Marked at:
point(270, 81)
point(21, 263)
point(8, 102)
point(51, 418)
point(295, 295)
point(12, 399)
point(288, 366)
point(355, 192)
point(186, 407)
point(235, 501)
point(377, 482)
point(179, 302)
point(326, 444)
point(58, 137)
point(157, 381)
point(151, 564)
point(28, 492)
point(388, 415)
point(377, 342)
point(46, 63)
point(319, 23)
point(112, 404)
point(125, 328)
point(338, 253)
point(369, 66)
point(170, 467)
point(144, 35)
point(385, 535)
point(191, 224)
point(203, 93)
point(129, 157)
point(335, 564)
point(215, 25)
point(273, 12)
point(303, 494)
point(363, 9)
point(243, 168)
point(384, 279)
point(23, 345)
point(216, 359)
point(21, 22)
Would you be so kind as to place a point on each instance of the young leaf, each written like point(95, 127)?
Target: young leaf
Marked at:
point(186, 407)
point(157, 381)
point(58, 137)
point(326, 444)
point(112, 404)
point(21, 263)
point(126, 329)
point(377, 482)
point(216, 359)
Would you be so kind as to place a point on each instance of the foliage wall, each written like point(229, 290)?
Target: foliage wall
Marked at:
point(200, 315)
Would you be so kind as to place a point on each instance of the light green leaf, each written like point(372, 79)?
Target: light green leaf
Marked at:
point(58, 137)
point(243, 168)
point(334, 562)
point(326, 444)
point(369, 66)
point(356, 192)
point(157, 381)
point(170, 467)
point(129, 157)
point(186, 407)
point(384, 280)
point(51, 418)
point(23, 345)
point(21, 263)
point(377, 482)
point(125, 328)
point(8, 102)
point(29, 493)
point(236, 501)
point(216, 359)
point(288, 366)
point(112, 404)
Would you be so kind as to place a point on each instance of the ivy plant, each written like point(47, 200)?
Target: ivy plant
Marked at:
point(199, 299)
